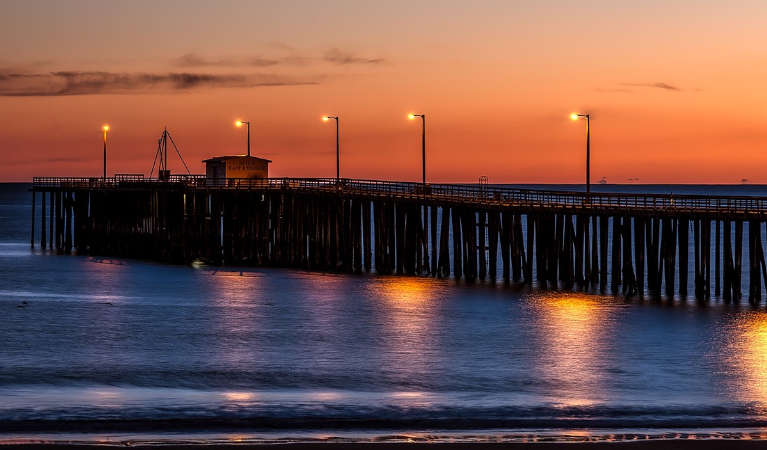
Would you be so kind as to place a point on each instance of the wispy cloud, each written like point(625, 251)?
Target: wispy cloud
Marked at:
point(195, 60)
point(338, 56)
point(89, 83)
point(657, 85)
point(335, 56)
point(612, 90)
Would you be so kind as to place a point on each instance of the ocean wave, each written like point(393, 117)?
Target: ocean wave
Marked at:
point(41, 294)
point(154, 438)
point(307, 414)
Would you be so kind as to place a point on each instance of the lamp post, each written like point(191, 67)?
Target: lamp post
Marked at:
point(105, 127)
point(576, 116)
point(423, 143)
point(240, 123)
point(338, 153)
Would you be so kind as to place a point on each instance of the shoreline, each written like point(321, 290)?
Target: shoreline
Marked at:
point(667, 444)
point(395, 440)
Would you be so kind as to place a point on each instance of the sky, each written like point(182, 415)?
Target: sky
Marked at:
point(676, 89)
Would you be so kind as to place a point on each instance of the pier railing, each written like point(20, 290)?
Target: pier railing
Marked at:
point(468, 193)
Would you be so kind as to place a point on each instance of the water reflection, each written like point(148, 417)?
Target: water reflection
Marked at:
point(573, 331)
point(239, 396)
point(409, 308)
point(236, 315)
point(746, 357)
point(410, 293)
point(408, 317)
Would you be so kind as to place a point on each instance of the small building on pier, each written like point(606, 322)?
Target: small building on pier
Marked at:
point(243, 166)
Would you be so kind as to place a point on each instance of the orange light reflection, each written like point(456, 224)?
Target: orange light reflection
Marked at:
point(574, 330)
point(747, 356)
point(239, 396)
point(408, 314)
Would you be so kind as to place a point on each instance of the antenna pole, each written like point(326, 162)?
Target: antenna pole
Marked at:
point(165, 147)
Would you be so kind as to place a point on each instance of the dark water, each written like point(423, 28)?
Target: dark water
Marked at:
point(124, 346)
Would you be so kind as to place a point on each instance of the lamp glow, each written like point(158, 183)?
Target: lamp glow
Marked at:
point(325, 118)
point(587, 116)
point(411, 116)
point(239, 123)
point(105, 127)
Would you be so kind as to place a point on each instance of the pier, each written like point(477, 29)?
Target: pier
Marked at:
point(628, 244)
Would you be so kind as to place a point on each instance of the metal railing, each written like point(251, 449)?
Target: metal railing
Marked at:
point(465, 193)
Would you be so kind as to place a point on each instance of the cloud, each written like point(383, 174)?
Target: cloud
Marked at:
point(89, 83)
point(657, 85)
point(611, 90)
point(195, 60)
point(333, 56)
point(28, 67)
point(341, 57)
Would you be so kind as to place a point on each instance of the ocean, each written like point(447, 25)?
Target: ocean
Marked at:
point(114, 350)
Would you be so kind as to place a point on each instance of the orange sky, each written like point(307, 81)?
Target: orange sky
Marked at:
point(677, 93)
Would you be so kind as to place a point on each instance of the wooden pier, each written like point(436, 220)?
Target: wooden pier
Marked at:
point(629, 244)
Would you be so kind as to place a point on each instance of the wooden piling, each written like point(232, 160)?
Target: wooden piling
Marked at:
point(59, 223)
point(683, 231)
point(50, 221)
point(518, 252)
point(32, 234)
point(68, 223)
point(470, 247)
point(754, 275)
point(433, 213)
point(603, 240)
point(629, 278)
point(366, 237)
point(616, 254)
point(43, 227)
point(639, 253)
point(652, 233)
point(444, 244)
point(706, 253)
point(493, 219)
point(506, 250)
point(737, 292)
point(530, 223)
point(579, 253)
point(717, 258)
point(728, 269)
point(457, 243)
point(595, 258)
point(481, 244)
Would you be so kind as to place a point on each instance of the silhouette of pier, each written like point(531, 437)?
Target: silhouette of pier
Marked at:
point(633, 244)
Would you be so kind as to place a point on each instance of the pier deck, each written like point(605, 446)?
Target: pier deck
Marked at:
point(636, 243)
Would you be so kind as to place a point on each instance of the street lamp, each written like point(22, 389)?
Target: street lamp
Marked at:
point(239, 123)
point(576, 116)
point(412, 116)
point(338, 153)
point(105, 127)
